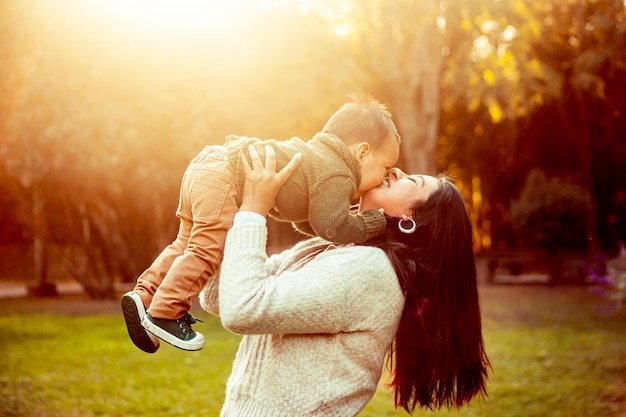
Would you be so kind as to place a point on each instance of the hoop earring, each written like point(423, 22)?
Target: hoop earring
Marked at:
point(407, 230)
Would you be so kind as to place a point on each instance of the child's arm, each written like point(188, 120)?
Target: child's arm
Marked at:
point(304, 228)
point(331, 217)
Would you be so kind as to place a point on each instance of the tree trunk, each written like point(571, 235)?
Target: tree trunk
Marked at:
point(416, 100)
point(579, 127)
point(556, 276)
point(401, 46)
point(418, 128)
point(42, 287)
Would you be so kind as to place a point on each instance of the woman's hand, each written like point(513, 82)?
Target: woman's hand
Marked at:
point(262, 182)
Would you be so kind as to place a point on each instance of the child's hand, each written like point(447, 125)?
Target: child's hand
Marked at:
point(262, 182)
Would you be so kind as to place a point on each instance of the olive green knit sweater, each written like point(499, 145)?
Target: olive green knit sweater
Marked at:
point(318, 196)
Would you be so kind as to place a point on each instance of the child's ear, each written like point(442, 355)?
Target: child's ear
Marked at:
point(362, 149)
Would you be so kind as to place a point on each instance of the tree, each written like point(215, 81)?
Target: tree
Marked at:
point(589, 39)
point(551, 214)
point(532, 75)
point(398, 45)
point(492, 79)
point(97, 143)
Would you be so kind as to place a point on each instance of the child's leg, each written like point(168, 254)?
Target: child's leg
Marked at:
point(151, 278)
point(208, 205)
point(135, 303)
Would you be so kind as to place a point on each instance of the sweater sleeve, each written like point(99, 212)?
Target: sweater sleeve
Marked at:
point(209, 295)
point(338, 290)
point(330, 216)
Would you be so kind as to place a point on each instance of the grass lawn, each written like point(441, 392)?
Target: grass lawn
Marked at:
point(552, 355)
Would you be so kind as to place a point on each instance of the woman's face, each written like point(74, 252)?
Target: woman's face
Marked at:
point(399, 193)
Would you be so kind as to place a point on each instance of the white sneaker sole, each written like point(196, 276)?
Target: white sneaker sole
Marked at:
point(134, 312)
point(196, 343)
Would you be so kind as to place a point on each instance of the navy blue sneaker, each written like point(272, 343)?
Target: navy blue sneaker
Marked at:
point(175, 332)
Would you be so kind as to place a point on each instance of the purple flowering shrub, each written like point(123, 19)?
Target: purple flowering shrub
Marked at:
point(609, 279)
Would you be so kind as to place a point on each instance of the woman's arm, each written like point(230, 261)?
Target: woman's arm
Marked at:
point(337, 289)
point(330, 290)
point(259, 193)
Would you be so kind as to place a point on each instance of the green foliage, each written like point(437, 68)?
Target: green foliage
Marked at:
point(518, 69)
point(102, 138)
point(492, 66)
point(551, 213)
point(101, 114)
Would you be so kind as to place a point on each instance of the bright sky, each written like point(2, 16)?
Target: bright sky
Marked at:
point(172, 18)
point(165, 18)
point(147, 33)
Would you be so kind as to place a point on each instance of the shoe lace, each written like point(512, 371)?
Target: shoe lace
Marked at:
point(189, 319)
point(186, 321)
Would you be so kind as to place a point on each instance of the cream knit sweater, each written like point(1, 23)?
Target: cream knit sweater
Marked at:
point(317, 321)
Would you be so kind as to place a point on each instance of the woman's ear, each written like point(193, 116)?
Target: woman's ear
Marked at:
point(362, 149)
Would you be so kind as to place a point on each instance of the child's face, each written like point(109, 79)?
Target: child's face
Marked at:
point(399, 193)
point(376, 163)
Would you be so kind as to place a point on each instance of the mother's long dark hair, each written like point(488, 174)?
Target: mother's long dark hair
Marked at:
point(438, 356)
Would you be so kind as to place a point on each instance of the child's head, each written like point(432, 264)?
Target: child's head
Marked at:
point(365, 126)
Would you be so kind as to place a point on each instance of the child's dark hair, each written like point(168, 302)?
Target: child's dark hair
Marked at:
point(438, 356)
point(364, 119)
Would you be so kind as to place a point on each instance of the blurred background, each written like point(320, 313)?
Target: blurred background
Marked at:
point(104, 102)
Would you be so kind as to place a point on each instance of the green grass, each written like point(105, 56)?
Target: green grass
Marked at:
point(552, 356)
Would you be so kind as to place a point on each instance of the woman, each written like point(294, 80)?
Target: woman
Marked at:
point(319, 319)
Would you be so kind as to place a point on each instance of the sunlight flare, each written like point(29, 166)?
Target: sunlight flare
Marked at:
point(163, 17)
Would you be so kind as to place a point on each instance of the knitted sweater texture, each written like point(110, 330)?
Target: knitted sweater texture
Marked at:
point(318, 195)
point(317, 321)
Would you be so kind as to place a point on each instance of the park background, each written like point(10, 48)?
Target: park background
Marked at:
point(104, 102)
